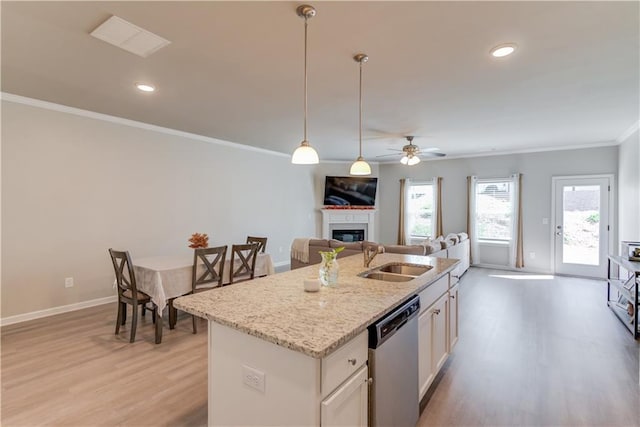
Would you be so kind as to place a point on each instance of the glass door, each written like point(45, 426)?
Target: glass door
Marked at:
point(581, 225)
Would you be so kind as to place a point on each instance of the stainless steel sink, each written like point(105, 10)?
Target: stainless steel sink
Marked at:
point(396, 272)
point(407, 269)
point(387, 277)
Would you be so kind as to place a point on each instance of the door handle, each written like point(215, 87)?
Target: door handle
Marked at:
point(558, 233)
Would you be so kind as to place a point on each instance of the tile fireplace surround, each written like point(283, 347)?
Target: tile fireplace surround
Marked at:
point(349, 219)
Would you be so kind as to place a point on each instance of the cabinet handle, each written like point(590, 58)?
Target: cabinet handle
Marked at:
point(452, 296)
point(369, 381)
point(352, 361)
point(454, 276)
point(436, 311)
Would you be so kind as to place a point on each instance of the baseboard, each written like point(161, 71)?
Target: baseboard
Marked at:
point(18, 318)
point(282, 266)
point(506, 268)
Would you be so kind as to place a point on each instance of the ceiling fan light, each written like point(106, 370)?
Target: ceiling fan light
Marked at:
point(360, 167)
point(305, 154)
point(413, 160)
point(404, 160)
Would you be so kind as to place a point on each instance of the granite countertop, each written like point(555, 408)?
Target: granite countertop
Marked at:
point(277, 309)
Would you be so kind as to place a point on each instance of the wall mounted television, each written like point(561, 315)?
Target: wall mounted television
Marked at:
point(350, 191)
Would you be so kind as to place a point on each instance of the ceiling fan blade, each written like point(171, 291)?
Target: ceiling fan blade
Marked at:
point(431, 154)
point(389, 155)
point(430, 149)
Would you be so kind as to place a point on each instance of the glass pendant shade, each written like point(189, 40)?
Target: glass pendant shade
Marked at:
point(305, 155)
point(360, 167)
point(413, 160)
point(404, 160)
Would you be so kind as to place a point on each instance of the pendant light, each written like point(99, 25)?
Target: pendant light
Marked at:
point(360, 166)
point(305, 154)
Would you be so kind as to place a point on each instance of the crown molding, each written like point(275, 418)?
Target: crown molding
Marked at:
point(18, 99)
point(516, 151)
point(627, 133)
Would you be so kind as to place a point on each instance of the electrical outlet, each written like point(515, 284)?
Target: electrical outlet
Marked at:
point(68, 282)
point(253, 378)
point(532, 255)
point(545, 221)
point(280, 249)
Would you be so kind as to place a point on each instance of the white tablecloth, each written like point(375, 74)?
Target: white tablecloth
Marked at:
point(166, 277)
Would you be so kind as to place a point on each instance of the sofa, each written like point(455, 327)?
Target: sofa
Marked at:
point(454, 245)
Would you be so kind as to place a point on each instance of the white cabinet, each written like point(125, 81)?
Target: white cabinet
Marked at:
point(296, 389)
point(453, 317)
point(439, 339)
point(425, 374)
point(433, 333)
point(347, 405)
point(344, 385)
point(342, 363)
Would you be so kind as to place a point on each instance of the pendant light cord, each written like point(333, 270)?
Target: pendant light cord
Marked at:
point(305, 79)
point(360, 118)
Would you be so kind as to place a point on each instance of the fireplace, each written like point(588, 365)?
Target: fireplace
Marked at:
point(355, 224)
point(353, 235)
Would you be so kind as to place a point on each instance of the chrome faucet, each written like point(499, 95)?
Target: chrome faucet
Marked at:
point(370, 253)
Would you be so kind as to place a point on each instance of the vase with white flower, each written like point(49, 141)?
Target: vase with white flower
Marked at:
point(329, 267)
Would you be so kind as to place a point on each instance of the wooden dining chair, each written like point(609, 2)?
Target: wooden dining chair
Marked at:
point(247, 254)
point(261, 241)
point(129, 294)
point(213, 261)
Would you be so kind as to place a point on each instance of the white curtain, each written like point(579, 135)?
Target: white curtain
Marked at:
point(473, 238)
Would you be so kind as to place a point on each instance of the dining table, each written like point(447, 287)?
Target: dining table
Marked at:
point(167, 277)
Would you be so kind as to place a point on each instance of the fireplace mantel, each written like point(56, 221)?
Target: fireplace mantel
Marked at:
point(341, 219)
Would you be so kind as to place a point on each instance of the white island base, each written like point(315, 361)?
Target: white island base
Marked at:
point(281, 356)
point(288, 388)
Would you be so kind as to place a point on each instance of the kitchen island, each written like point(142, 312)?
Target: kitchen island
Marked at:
point(281, 356)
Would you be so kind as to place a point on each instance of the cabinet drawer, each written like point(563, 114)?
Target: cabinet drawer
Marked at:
point(434, 291)
point(343, 362)
point(347, 406)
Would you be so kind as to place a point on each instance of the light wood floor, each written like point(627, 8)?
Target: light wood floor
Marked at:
point(531, 352)
point(537, 353)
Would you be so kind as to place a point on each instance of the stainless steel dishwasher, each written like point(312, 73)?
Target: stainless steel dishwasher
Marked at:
point(393, 365)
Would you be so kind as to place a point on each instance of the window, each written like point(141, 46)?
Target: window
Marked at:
point(420, 210)
point(494, 210)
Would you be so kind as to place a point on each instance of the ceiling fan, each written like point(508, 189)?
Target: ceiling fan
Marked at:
point(410, 153)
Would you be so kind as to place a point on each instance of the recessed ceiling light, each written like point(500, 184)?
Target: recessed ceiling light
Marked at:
point(145, 87)
point(503, 50)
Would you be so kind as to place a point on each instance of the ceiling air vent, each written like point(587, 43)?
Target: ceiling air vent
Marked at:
point(129, 37)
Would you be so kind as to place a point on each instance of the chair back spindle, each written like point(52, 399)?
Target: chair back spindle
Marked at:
point(247, 254)
point(213, 261)
point(261, 241)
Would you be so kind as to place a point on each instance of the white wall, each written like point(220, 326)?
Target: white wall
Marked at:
point(73, 186)
point(537, 170)
point(629, 189)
